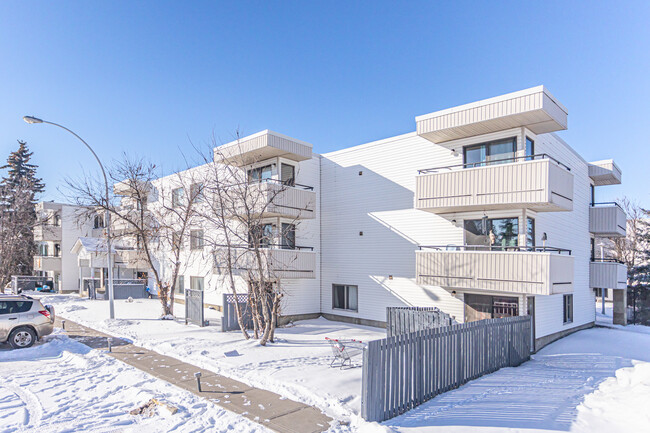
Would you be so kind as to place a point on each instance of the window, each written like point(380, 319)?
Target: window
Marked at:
point(494, 232)
point(288, 174)
point(57, 250)
point(178, 195)
point(491, 153)
point(261, 174)
point(344, 297)
point(592, 189)
point(141, 203)
point(568, 308)
point(261, 236)
point(530, 232)
point(42, 250)
point(177, 241)
point(98, 222)
point(288, 236)
point(530, 149)
point(196, 283)
point(196, 192)
point(180, 284)
point(57, 220)
point(196, 239)
point(13, 307)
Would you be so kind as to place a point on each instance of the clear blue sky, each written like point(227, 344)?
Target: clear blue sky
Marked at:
point(148, 77)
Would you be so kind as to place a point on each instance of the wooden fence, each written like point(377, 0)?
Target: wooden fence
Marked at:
point(404, 320)
point(406, 370)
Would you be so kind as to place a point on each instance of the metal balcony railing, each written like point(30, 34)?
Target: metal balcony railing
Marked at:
point(497, 248)
point(494, 162)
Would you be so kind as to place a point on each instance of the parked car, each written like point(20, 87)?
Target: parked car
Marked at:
point(24, 320)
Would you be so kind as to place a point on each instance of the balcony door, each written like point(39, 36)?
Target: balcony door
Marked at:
point(481, 307)
point(492, 232)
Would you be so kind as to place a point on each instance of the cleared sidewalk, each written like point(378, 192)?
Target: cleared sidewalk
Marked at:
point(264, 407)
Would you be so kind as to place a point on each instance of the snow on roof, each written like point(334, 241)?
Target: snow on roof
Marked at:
point(95, 245)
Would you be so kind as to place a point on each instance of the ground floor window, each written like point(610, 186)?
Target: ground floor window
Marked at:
point(196, 283)
point(345, 297)
point(568, 308)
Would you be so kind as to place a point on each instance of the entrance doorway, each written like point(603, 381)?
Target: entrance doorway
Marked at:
point(481, 307)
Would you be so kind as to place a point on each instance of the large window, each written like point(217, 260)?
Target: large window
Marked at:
point(345, 297)
point(492, 232)
point(57, 250)
point(196, 283)
point(568, 308)
point(261, 235)
point(42, 250)
point(288, 236)
point(261, 174)
point(490, 153)
point(178, 194)
point(196, 239)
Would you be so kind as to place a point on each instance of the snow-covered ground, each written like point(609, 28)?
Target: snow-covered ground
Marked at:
point(60, 385)
point(295, 366)
point(597, 380)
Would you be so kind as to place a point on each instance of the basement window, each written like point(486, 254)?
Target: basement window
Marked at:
point(345, 297)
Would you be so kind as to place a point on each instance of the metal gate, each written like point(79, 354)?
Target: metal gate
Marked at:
point(194, 307)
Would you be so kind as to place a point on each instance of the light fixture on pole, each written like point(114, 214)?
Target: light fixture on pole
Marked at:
point(32, 120)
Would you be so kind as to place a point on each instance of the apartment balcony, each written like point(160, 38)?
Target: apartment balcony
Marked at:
point(522, 270)
point(47, 233)
point(274, 199)
point(263, 145)
point(607, 274)
point(607, 220)
point(277, 263)
point(535, 109)
point(605, 172)
point(536, 182)
point(47, 263)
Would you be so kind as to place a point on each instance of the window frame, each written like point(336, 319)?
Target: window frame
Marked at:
point(194, 280)
point(180, 284)
point(196, 192)
point(486, 145)
point(567, 308)
point(529, 153)
point(346, 297)
point(197, 242)
point(178, 195)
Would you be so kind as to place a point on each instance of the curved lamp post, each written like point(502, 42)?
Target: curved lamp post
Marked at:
point(32, 120)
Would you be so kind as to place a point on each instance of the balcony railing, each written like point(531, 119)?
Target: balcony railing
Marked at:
point(47, 232)
point(494, 162)
point(607, 273)
point(47, 263)
point(537, 182)
point(607, 219)
point(523, 270)
point(274, 198)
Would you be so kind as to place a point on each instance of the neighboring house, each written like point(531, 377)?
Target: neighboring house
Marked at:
point(58, 227)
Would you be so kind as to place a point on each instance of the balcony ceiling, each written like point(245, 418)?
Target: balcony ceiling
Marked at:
point(605, 172)
point(533, 108)
point(263, 145)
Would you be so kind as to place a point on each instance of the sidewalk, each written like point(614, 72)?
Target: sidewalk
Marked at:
point(267, 408)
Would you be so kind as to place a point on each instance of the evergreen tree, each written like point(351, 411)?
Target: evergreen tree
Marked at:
point(18, 191)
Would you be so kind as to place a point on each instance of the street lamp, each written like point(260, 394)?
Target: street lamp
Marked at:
point(32, 120)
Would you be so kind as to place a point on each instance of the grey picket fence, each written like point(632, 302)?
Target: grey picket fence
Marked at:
point(402, 372)
point(229, 318)
point(194, 312)
point(404, 320)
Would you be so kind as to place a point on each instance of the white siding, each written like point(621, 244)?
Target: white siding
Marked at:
point(379, 203)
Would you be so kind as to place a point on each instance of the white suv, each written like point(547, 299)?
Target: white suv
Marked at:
point(23, 320)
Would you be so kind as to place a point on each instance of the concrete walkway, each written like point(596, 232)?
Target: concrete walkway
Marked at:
point(264, 407)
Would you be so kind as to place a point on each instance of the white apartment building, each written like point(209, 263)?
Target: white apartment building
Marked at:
point(59, 226)
point(482, 211)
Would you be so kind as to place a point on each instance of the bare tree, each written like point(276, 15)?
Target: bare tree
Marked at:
point(253, 235)
point(149, 218)
point(632, 248)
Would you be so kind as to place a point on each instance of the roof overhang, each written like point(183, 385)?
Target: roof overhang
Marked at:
point(260, 146)
point(605, 172)
point(534, 108)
